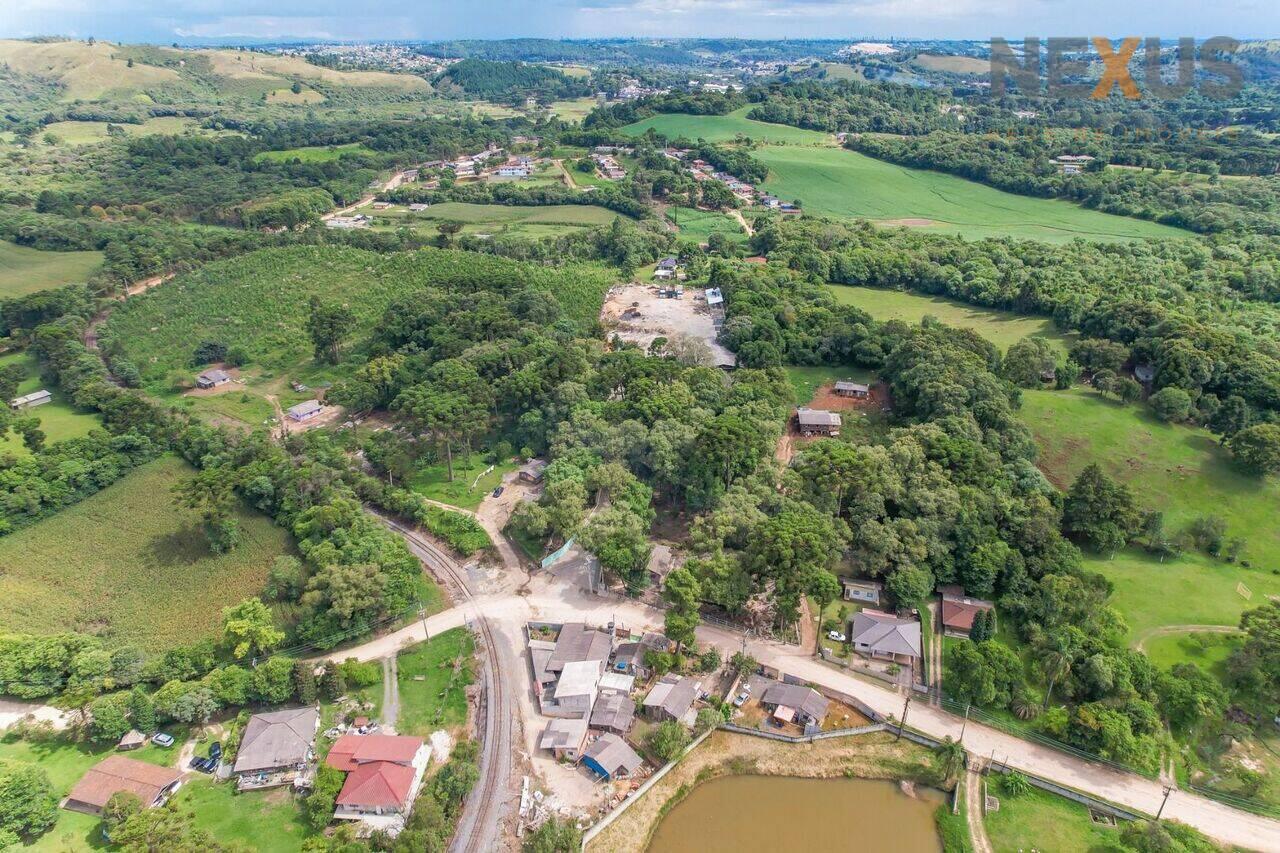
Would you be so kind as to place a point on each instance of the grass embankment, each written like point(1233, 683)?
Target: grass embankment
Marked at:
point(130, 564)
point(1002, 328)
point(1181, 471)
point(25, 270)
point(1038, 820)
point(432, 679)
point(59, 418)
point(874, 756)
point(259, 304)
point(726, 128)
point(845, 184)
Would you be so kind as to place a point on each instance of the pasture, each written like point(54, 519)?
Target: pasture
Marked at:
point(314, 154)
point(90, 132)
point(25, 270)
point(472, 480)
point(59, 419)
point(726, 128)
point(1002, 328)
point(1182, 472)
point(292, 98)
point(699, 225)
point(131, 565)
point(953, 64)
point(848, 185)
point(494, 219)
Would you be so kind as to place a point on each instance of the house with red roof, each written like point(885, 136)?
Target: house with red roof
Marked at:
point(384, 773)
point(959, 610)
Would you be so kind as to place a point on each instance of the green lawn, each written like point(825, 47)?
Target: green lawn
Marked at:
point(315, 154)
point(433, 679)
point(25, 270)
point(259, 820)
point(65, 762)
point(59, 419)
point(806, 380)
point(725, 128)
point(699, 225)
point(1208, 651)
point(1040, 821)
point(130, 564)
point(1184, 473)
point(1002, 328)
point(466, 491)
point(846, 184)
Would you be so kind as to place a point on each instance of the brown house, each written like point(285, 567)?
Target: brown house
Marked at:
point(959, 610)
point(150, 783)
point(817, 422)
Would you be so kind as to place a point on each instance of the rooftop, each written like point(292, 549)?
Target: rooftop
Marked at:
point(560, 734)
point(277, 739)
point(577, 642)
point(117, 773)
point(352, 750)
point(886, 633)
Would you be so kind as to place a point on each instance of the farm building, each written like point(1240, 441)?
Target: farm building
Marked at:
point(150, 783)
point(276, 748)
point(817, 422)
point(959, 610)
point(384, 773)
point(305, 411)
point(615, 713)
point(564, 738)
point(611, 757)
point(533, 470)
point(795, 703)
point(212, 378)
point(856, 390)
point(357, 221)
point(418, 207)
point(30, 401)
point(672, 698)
point(877, 634)
point(858, 589)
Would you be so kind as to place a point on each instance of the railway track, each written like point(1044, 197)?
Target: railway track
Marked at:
point(478, 827)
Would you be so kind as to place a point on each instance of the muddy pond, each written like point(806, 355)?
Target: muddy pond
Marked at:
point(783, 814)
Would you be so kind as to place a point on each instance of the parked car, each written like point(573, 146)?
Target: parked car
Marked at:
point(215, 749)
point(741, 699)
point(497, 493)
point(837, 636)
point(195, 762)
point(162, 739)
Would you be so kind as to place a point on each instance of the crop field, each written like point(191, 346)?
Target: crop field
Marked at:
point(25, 270)
point(433, 679)
point(845, 184)
point(315, 154)
point(1002, 328)
point(726, 128)
point(129, 563)
point(1184, 473)
point(259, 302)
point(59, 419)
point(699, 225)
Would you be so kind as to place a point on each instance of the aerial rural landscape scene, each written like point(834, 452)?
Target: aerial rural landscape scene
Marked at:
point(763, 425)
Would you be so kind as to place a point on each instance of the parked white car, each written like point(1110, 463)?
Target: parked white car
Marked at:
point(836, 635)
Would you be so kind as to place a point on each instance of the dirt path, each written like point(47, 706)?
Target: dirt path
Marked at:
point(742, 220)
point(1165, 630)
point(142, 285)
point(568, 178)
point(974, 811)
point(808, 628)
point(390, 693)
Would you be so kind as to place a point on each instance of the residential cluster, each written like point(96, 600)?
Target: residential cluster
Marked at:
point(606, 160)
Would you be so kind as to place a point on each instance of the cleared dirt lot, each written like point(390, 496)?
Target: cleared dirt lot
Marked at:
point(636, 313)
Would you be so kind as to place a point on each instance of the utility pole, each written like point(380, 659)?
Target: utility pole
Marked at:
point(422, 611)
point(965, 724)
point(1167, 790)
point(905, 707)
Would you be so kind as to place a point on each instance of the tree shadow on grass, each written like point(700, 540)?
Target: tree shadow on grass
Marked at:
point(182, 546)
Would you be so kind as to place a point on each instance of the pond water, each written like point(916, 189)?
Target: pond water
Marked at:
point(781, 814)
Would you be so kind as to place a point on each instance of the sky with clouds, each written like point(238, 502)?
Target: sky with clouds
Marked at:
point(167, 20)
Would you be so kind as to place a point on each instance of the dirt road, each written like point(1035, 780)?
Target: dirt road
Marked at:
point(975, 812)
point(390, 693)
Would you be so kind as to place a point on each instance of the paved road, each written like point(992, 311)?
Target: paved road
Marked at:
point(557, 603)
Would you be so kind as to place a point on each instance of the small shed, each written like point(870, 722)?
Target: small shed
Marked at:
point(30, 401)
point(611, 757)
point(212, 378)
point(305, 411)
point(714, 296)
point(860, 589)
point(533, 471)
point(133, 739)
point(856, 390)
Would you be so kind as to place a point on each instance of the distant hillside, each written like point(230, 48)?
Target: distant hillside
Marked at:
point(508, 81)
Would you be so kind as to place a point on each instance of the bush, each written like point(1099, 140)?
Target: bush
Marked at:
point(1171, 404)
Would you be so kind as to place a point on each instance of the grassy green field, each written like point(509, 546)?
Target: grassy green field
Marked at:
point(1040, 821)
point(699, 225)
point(59, 419)
point(500, 219)
point(130, 564)
point(65, 761)
point(90, 132)
point(1208, 651)
point(432, 679)
point(846, 184)
point(1002, 328)
point(24, 270)
point(726, 128)
point(1184, 473)
point(269, 821)
point(259, 302)
point(573, 110)
point(314, 154)
point(806, 380)
point(470, 482)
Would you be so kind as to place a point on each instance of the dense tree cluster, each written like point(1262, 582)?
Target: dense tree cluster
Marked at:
point(510, 82)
